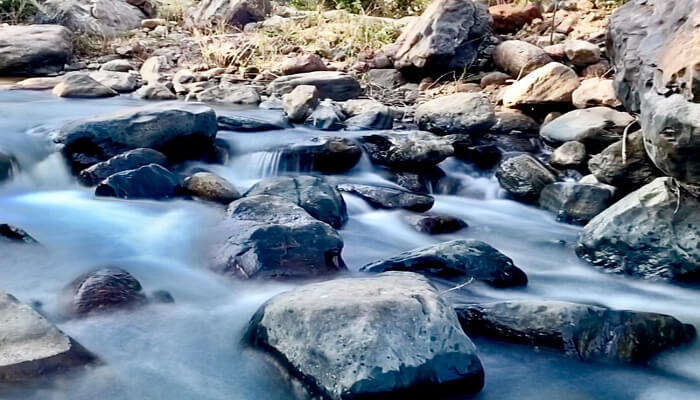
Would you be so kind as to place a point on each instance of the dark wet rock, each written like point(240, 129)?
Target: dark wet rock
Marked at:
point(373, 337)
point(406, 150)
point(459, 113)
point(161, 296)
point(180, 131)
point(15, 234)
point(104, 289)
point(435, 224)
point(424, 181)
point(519, 58)
point(579, 330)
point(7, 165)
point(389, 198)
point(272, 237)
point(516, 143)
point(245, 123)
point(512, 121)
point(371, 120)
point(330, 84)
point(485, 156)
point(636, 171)
point(575, 202)
point(33, 347)
point(569, 155)
point(82, 86)
point(329, 155)
point(320, 199)
point(148, 182)
point(132, 159)
point(447, 36)
point(208, 186)
point(326, 116)
point(457, 260)
point(524, 177)
point(595, 127)
point(236, 13)
point(34, 49)
point(386, 79)
point(652, 233)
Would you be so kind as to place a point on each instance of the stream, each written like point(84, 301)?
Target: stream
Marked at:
point(191, 349)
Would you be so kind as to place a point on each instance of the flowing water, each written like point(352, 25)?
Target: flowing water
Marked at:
point(191, 349)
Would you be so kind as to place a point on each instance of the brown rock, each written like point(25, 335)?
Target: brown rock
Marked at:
point(519, 58)
point(595, 92)
point(553, 83)
point(508, 18)
point(303, 63)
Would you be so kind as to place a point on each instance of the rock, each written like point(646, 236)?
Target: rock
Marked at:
point(180, 131)
point(229, 94)
point(484, 156)
point(457, 260)
point(524, 177)
point(303, 63)
point(463, 113)
point(104, 289)
point(37, 83)
point(652, 45)
point(153, 23)
point(300, 102)
point(574, 202)
point(330, 84)
point(132, 159)
point(329, 155)
point(208, 186)
point(370, 337)
point(582, 331)
point(636, 171)
point(148, 182)
point(32, 346)
point(162, 297)
point(556, 51)
point(236, 13)
point(569, 155)
point(183, 80)
point(271, 237)
point(595, 127)
point(122, 82)
point(552, 84)
point(495, 78)
point(595, 92)
point(519, 58)
point(8, 164)
point(386, 79)
point(389, 198)
point(153, 68)
point(408, 150)
point(446, 36)
point(321, 200)
point(327, 116)
point(246, 123)
point(101, 18)
point(82, 85)
point(435, 224)
point(513, 121)
point(155, 91)
point(601, 69)
point(14, 234)
point(355, 107)
point(652, 233)
point(509, 18)
point(581, 53)
point(371, 120)
point(34, 49)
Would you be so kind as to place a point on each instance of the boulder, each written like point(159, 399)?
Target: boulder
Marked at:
point(153, 23)
point(153, 68)
point(330, 84)
point(104, 289)
point(132, 159)
point(581, 331)
point(462, 113)
point(551, 84)
point(634, 172)
point(355, 107)
point(236, 13)
point(327, 116)
point(388, 197)
point(34, 49)
point(14, 234)
point(82, 85)
point(435, 224)
point(208, 186)
point(370, 337)
point(569, 155)
point(300, 102)
point(509, 18)
point(8, 164)
point(575, 202)
point(456, 260)
point(248, 123)
point(371, 120)
point(581, 53)
point(272, 237)
point(44, 83)
point(102, 18)
point(513, 121)
point(328, 155)
point(33, 347)
point(155, 91)
point(386, 79)
point(410, 150)
point(447, 36)
point(118, 65)
point(524, 177)
point(653, 233)
point(180, 131)
point(303, 63)
point(652, 45)
point(601, 69)
point(318, 198)
point(519, 58)
point(595, 92)
point(229, 94)
point(495, 78)
point(122, 82)
point(595, 127)
point(484, 156)
point(148, 182)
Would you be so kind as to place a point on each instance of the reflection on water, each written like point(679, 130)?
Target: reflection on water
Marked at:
point(191, 349)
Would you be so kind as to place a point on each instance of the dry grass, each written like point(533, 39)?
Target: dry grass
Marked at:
point(174, 10)
point(379, 8)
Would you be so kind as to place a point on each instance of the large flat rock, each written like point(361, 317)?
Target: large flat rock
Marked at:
point(34, 49)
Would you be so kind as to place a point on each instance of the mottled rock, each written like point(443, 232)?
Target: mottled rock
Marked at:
point(236, 13)
point(104, 289)
point(519, 58)
point(406, 150)
point(148, 182)
point(463, 113)
point(388, 197)
point(34, 49)
point(155, 91)
point(575, 202)
point(551, 84)
point(303, 63)
point(132, 159)
point(569, 155)
point(595, 92)
point(595, 127)
point(330, 84)
point(208, 186)
point(329, 155)
point(300, 102)
point(524, 177)
point(581, 52)
point(122, 82)
point(82, 85)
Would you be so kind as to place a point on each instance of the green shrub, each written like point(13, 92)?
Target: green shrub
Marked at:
point(379, 8)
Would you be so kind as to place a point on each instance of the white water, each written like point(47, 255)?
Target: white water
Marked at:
point(191, 349)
